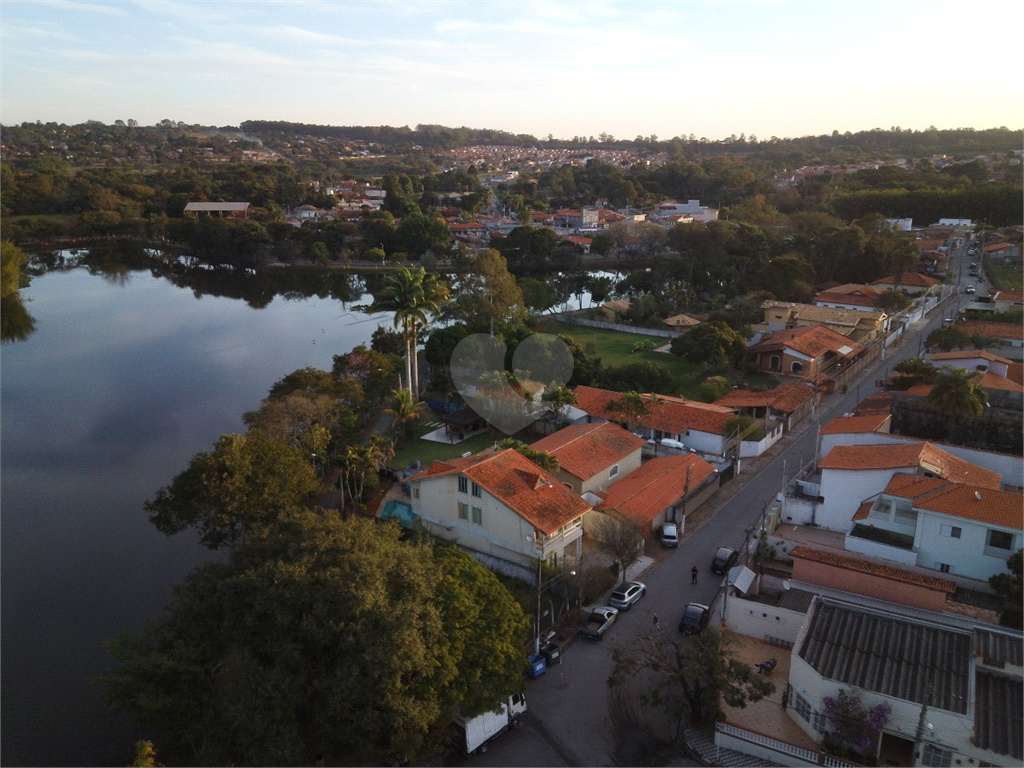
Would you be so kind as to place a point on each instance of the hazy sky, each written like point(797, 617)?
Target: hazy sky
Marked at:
point(710, 68)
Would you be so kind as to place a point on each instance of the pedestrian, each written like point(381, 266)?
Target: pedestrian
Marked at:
point(693, 575)
point(656, 621)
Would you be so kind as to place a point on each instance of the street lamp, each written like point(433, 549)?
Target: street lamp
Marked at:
point(540, 590)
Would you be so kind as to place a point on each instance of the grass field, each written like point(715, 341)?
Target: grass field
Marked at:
point(1008, 276)
point(428, 452)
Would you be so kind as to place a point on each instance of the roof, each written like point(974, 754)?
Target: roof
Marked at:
point(681, 321)
point(879, 402)
point(873, 568)
point(999, 713)
point(656, 485)
point(984, 505)
point(519, 484)
point(815, 341)
point(966, 354)
point(994, 381)
point(923, 455)
point(584, 450)
point(216, 206)
point(897, 657)
point(796, 600)
point(1000, 647)
point(856, 425)
point(617, 305)
point(993, 330)
point(860, 295)
point(909, 279)
point(1004, 294)
point(841, 316)
point(668, 414)
point(784, 398)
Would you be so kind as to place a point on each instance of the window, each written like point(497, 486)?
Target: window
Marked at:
point(950, 530)
point(803, 707)
point(945, 567)
point(820, 720)
point(796, 367)
point(1000, 540)
point(463, 484)
point(476, 490)
point(774, 363)
point(478, 516)
point(463, 511)
point(416, 492)
point(936, 756)
point(613, 471)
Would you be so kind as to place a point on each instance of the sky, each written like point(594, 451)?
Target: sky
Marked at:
point(710, 68)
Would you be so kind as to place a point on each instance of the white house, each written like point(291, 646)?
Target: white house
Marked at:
point(851, 474)
point(970, 360)
point(950, 527)
point(954, 693)
point(502, 508)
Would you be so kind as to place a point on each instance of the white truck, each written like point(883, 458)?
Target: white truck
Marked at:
point(475, 732)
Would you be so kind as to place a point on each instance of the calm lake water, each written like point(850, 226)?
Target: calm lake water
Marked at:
point(123, 380)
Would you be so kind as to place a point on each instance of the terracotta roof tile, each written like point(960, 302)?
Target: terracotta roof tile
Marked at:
point(993, 330)
point(785, 397)
point(670, 414)
point(925, 456)
point(910, 279)
point(814, 341)
point(584, 450)
point(659, 483)
point(861, 565)
point(984, 505)
point(966, 354)
point(855, 425)
point(519, 484)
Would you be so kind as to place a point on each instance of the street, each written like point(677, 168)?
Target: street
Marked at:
point(572, 700)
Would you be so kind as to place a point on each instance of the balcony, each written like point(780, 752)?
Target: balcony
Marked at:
point(882, 543)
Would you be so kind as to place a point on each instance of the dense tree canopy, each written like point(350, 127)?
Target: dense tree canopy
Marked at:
point(325, 636)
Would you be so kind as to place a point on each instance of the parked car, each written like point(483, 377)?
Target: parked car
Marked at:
point(971, 289)
point(725, 558)
point(670, 535)
point(695, 618)
point(668, 442)
point(624, 595)
point(599, 621)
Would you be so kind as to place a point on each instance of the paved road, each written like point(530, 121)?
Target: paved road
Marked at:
point(572, 699)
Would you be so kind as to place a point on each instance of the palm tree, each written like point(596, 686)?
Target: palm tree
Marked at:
point(413, 295)
point(405, 410)
point(957, 391)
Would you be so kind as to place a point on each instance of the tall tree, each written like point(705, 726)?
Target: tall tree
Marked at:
point(244, 485)
point(325, 636)
point(405, 411)
point(691, 677)
point(486, 297)
point(957, 391)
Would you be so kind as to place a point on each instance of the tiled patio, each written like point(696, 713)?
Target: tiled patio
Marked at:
point(767, 717)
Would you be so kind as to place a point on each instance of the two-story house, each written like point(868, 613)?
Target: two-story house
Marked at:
point(808, 352)
point(950, 527)
point(855, 324)
point(592, 456)
point(851, 474)
point(502, 508)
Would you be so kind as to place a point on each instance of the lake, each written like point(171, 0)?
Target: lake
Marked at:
point(131, 370)
point(124, 379)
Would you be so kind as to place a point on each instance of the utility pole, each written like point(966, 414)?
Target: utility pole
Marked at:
point(919, 736)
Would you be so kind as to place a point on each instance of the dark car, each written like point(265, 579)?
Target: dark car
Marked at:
point(725, 558)
point(695, 618)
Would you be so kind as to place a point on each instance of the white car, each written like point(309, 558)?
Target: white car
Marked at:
point(668, 442)
point(970, 289)
point(670, 535)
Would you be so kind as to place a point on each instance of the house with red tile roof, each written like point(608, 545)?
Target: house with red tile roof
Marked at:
point(502, 508)
point(787, 404)
point(911, 283)
point(805, 352)
point(664, 489)
point(1009, 334)
point(1006, 300)
point(698, 426)
point(851, 474)
point(970, 360)
point(592, 456)
point(850, 296)
point(856, 324)
point(930, 522)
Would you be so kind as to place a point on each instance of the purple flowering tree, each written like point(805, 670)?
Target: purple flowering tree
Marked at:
point(855, 727)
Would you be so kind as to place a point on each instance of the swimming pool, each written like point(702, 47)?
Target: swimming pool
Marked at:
point(400, 511)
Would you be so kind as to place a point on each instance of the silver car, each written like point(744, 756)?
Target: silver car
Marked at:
point(624, 595)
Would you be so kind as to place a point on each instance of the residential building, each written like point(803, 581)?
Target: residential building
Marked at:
point(910, 283)
point(851, 474)
point(856, 324)
point(933, 523)
point(592, 456)
point(502, 508)
point(850, 296)
point(664, 489)
point(787, 404)
point(810, 352)
point(970, 360)
point(230, 210)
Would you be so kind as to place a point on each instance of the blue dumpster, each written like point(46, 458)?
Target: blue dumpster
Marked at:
point(538, 665)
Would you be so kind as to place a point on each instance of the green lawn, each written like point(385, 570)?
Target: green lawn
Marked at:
point(616, 348)
point(428, 452)
point(1008, 276)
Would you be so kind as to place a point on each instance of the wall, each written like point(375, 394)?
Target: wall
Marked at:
point(884, 551)
point(750, 449)
point(748, 617)
point(966, 554)
point(844, 490)
point(602, 480)
point(869, 585)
